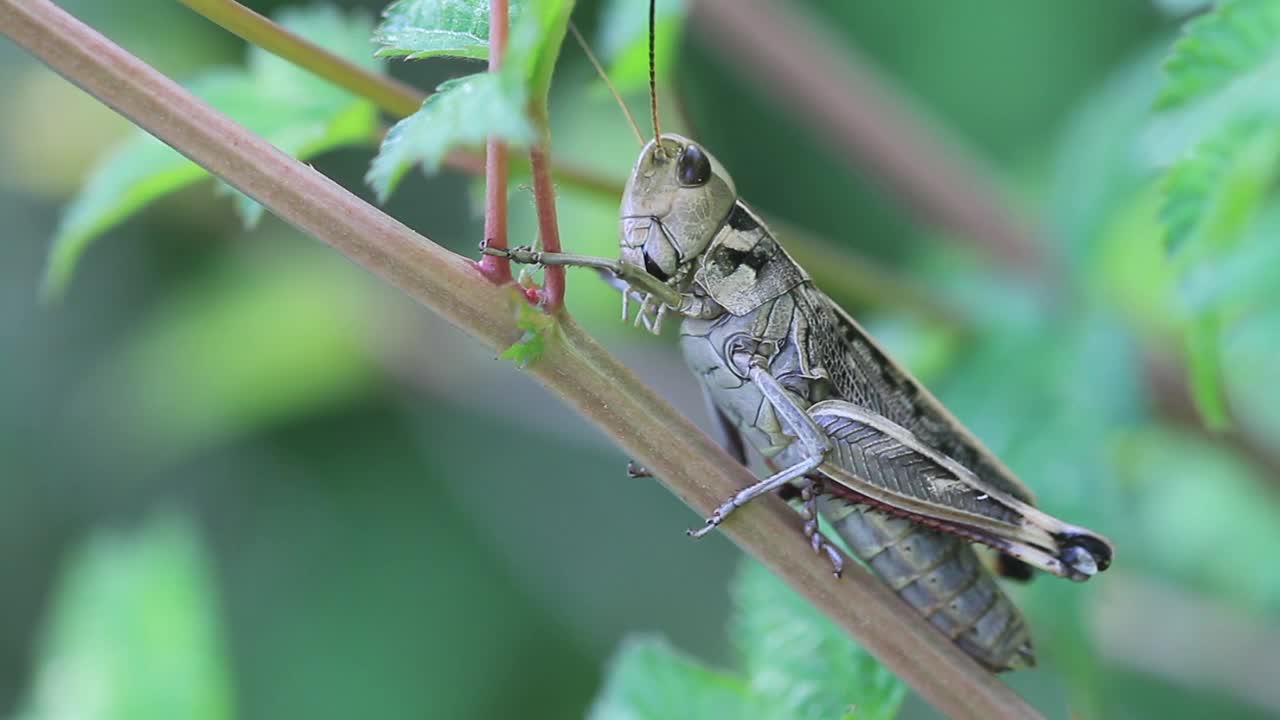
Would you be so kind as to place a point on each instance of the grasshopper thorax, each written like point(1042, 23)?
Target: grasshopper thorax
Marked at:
point(676, 199)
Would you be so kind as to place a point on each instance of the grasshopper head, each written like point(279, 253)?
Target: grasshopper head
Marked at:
point(676, 199)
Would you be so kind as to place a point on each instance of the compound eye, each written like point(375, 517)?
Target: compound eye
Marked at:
point(694, 167)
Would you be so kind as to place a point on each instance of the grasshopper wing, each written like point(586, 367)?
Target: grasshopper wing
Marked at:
point(863, 373)
point(885, 463)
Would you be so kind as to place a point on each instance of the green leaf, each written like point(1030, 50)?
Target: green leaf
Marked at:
point(1210, 199)
point(623, 39)
point(1219, 101)
point(1249, 352)
point(1096, 173)
point(415, 29)
point(462, 112)
point(1211, 194)
point(466, 111)
point(649, 680)
point(296, 111)
point(134, 632)
point(1171, 527)
point(1202, 337)
point(536, 325)
point(1220, 47)
point(1244, 278)
point(553, 19)
point(175, 387)
point(1181, 8)
point(797, 664)
point(798, 657)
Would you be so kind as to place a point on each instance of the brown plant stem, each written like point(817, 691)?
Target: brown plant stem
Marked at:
point(842, 99)
point(574, 366)
point(497, 269)
point(390, 94)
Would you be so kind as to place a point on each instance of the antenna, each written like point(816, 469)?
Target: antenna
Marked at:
point(631, 119)
point(653, 81)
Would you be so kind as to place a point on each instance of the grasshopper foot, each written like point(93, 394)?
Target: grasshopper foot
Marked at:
point(713, 521)
point(809, 511)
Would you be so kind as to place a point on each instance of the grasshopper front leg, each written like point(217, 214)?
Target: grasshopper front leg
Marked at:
point(657, 296)
point(632, 275)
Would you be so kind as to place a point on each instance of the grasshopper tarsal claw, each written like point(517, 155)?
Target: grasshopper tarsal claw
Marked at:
point(809, 511)
point(712, 523)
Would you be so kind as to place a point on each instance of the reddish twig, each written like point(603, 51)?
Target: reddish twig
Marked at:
point(544, 199)
point(497, 269)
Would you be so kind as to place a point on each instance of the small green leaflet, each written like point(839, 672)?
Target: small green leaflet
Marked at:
point(650, 680)
point(1236, 38)
point(1202, 340)
point(466, 111)
point(1210, 199)
point(1219, 120)
point(623, 39)
point(416, 29)
point(795, 663)
point(134, 632)
point(298, 112)
point(792, 652)
point(535, 324)
point(1210, 195)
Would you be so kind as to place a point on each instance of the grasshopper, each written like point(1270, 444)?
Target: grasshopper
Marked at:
point(791, 375)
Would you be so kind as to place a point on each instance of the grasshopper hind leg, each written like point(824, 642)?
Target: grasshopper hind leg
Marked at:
point(810, 489)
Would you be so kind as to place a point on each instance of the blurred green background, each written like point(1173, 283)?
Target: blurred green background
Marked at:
point(235, 467)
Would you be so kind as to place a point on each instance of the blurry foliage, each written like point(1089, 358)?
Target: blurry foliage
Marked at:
point(1236, 38)
point(794, 664)
point(463, 111)
point(467, 110)
point(357, 583)
point(174, 390)
point(1218, 102)
point(622, 40)
point(298, 112)
point(1172, 472)
point(134, 632)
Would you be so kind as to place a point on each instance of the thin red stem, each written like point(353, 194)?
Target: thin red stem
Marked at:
point(496, 169)
point(544, 199)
